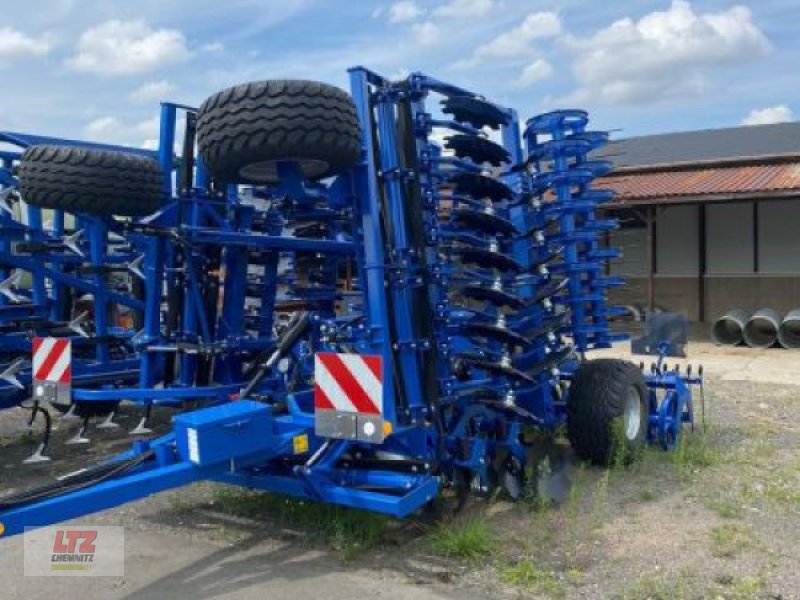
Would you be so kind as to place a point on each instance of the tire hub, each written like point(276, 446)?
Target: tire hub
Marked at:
point(632, 416)
point(266, 171)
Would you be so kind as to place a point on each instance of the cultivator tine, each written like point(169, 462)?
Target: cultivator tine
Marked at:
point(135, 266)
point(9, 375)
point(7, 287)
point(80, 437)
point(38, 456)
point(72, 241)
point(108, 422)
point(76, 324)
point(141, 428)
point(70, 414)
point(6, 195)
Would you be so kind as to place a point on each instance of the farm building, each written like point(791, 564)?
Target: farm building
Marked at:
point(710, 220)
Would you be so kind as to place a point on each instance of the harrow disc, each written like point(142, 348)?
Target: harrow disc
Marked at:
point(478, 149)
point(476, 112)
point(491, 294)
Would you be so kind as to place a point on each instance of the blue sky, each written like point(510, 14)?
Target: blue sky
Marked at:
point(96, 69)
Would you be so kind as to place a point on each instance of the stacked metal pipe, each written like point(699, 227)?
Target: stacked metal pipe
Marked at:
point(762, 329)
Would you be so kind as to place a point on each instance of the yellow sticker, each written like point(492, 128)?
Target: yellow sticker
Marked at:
point(2, 529)
point(300, 443)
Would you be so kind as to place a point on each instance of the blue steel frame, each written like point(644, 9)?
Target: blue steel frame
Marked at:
point(269, 444)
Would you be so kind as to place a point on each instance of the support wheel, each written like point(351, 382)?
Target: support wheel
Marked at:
point(90, 181)
point(607, 412)
point(244, 131)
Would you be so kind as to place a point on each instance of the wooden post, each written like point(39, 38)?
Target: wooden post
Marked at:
point(650, 221)
point(756, 256)
point(702, 260)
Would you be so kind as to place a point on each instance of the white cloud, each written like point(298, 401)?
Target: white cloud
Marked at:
point(16, 45)
point(153, 91)
point(537, 71)
point(104, 129)
point(111, 130)
point(213, 47)
point(664, 54)
point(465, 8)
point(404, 11)
point(148, 128)
point(518, 41)
point(126, 47)
point(426, 33)
point(772, 114)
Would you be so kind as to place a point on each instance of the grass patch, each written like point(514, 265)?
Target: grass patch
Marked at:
point(178, 505)
point(470, 540)
point(726, 509)
point(599, 511)
point(730, 539)
point(646, 495)
point(696, 450)
point(526, 575)
point(663, 587)
point(782, 485)
point(738, 588)
point(346, 530)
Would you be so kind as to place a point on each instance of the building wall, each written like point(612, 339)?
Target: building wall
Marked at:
point(681, 294)
point(731, 279)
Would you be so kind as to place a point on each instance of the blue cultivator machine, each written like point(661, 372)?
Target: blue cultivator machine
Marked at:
point(73, 273)
point(366, 316)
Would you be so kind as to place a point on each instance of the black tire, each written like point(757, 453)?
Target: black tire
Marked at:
point(596, 425)
point(90, 181)
point(244, 130)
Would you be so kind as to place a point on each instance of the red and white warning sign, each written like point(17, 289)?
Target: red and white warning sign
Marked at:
point(52, 360)
point(348, 383)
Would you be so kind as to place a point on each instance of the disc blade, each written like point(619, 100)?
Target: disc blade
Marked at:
point(477, 149)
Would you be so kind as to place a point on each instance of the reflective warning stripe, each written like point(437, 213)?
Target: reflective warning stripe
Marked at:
point(348, 383)
point(52, 359)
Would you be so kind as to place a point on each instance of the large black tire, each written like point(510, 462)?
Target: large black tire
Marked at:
point(90, 181)
point(243, 131)
point(598, 425)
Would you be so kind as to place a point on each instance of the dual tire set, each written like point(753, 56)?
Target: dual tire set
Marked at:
point(243, 133)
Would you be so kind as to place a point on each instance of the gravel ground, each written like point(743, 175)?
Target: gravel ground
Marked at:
point(720, 518)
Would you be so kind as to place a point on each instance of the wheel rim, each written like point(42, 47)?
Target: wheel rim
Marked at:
point(267, 170)
point(633, 414)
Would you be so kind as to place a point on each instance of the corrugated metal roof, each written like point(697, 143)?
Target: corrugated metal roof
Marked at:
point(779, 139)
point(703, 182)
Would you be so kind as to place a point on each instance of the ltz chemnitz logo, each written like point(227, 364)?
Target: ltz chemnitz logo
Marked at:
point(75, 551)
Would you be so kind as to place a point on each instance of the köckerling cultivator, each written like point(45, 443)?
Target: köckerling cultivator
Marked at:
point(364, 315)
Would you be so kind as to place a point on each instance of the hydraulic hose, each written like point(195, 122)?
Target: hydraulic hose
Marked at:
point(297, 327)
point(76, 481)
